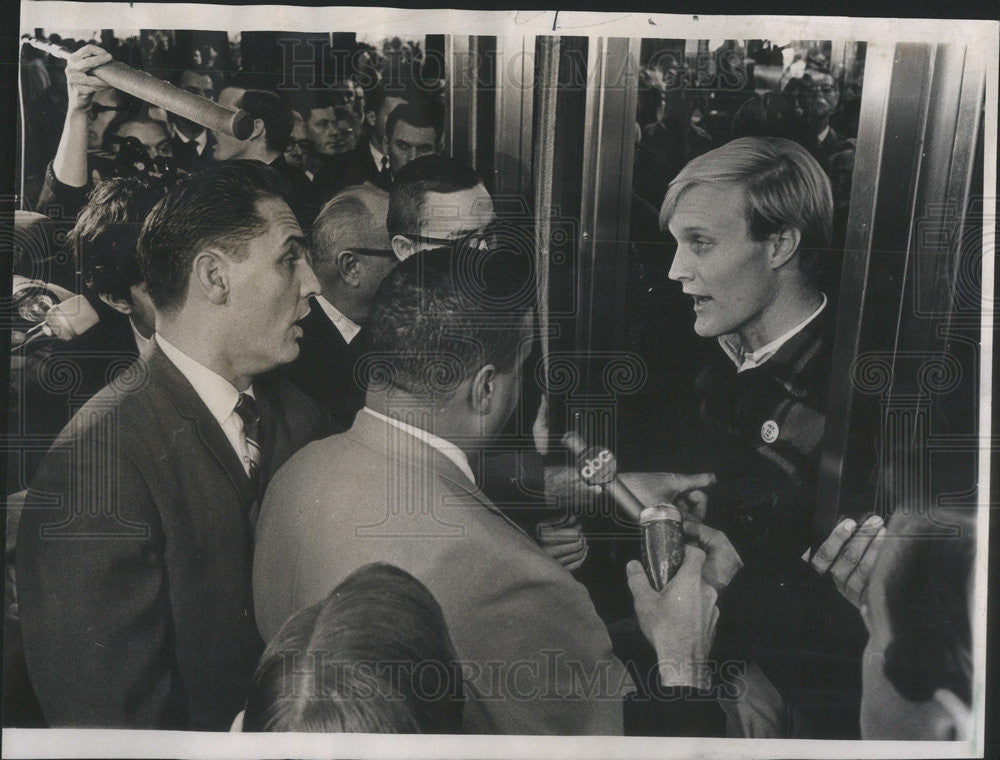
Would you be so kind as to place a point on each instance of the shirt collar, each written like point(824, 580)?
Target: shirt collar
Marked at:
point(744, 360)
point(347, 326)
point(450, 450)
point(201, 140)
point(219, 395)
point(140, 342)
point(377, 155)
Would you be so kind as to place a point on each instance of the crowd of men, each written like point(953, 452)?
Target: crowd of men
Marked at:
point(272, 502)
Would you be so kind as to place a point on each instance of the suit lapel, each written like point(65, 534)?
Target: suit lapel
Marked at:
point(190, 406)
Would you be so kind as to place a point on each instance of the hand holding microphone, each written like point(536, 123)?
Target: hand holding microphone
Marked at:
point(64, 321)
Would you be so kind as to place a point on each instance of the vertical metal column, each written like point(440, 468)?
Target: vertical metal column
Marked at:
point(515, 61)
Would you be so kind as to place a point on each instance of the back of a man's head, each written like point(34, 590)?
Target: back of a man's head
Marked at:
point(107, 232)
point(274, 113)
point(216, 207)
point(373, 657)
point(928, 597)
point(784, 187)
point(443, 314)
point(427, 174)
point(354, 218)
point(423, 114)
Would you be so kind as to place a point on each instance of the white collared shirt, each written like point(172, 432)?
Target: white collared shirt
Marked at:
point(200, 141)
point(377, 155)
point(347, 326)
point(140, 342)
point(218, 394)
point(450, 450)
point(734, 348)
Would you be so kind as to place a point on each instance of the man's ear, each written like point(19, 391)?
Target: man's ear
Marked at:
point(784, 243)
point(955, 721)
point(403, 247)
point(483, 389)
point(349, 268)
point(210, 275)
point(118, 304)
point(258, 129)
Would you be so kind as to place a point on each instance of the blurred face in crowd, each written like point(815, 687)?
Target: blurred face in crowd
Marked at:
point(821, 94)
point(719, 265)
point(227, 146)
point(298, 145)
point(321, 128)
point(345, 136)
point(152, 134)
point(885, 713)
point(103, 107)
point(268, 292)
point(198, 84)
point(407, 143)
point(377, 120)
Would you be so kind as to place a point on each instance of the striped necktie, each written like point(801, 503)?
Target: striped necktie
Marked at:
point(248, 412)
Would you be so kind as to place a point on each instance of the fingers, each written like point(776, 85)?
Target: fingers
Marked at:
point(690, 569)
point(638, 583)
point(827, 553)
point(697, 503)
point(851, 569)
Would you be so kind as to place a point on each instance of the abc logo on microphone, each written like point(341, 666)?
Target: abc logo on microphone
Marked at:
point(597, 466)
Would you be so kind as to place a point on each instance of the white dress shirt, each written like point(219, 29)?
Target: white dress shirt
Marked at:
point(200, 141)
point(347, 326)
point(748, 360)
point(377, 155)
point(218, 394)
point(450, 450)
point(140, 342)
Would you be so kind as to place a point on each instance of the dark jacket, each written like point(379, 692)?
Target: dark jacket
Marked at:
point(134, 555)
point(352, 168)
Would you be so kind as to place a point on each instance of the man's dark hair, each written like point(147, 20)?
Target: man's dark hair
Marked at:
point(422, 114)
point(927, 595)
point(443, 314)
point(427, 174)
point(215, 207)
point(107, 231)
point(305, 101)
point(373, 657)
point(277, 117)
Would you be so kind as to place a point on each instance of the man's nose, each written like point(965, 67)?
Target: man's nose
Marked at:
point(680, 267)
point(308, 284)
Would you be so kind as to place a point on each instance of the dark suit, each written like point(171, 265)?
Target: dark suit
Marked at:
point(187, 157)
point(325, 369)
point(300, 195)
point(50, 383)
point(352, 168)
point(134, 555)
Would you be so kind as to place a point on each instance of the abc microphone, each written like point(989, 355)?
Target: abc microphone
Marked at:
point(661, 525)
point(598, 467)
point(64, 321)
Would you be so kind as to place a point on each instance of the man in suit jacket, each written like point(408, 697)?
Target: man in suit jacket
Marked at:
point(401, 487)
point(190, 143)
point(272, 130)
point(134, 551)
point(368, 162)
point(351, 256)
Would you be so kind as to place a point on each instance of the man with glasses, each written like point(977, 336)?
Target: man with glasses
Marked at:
point(351, 256)
point(435, 201)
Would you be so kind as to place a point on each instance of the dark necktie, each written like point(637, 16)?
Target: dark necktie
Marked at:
point(386, 174)
point(247, 410)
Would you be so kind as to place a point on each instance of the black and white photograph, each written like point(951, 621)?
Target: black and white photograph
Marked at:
point(459, 384)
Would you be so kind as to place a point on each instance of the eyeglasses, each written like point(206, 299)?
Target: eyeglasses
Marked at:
point(485, 239)
point(96, 109)
point(374, 251)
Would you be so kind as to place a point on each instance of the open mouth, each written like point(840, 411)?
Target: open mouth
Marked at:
point(700, 300)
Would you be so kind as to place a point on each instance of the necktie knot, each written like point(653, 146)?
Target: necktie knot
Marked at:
point(249, 413)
